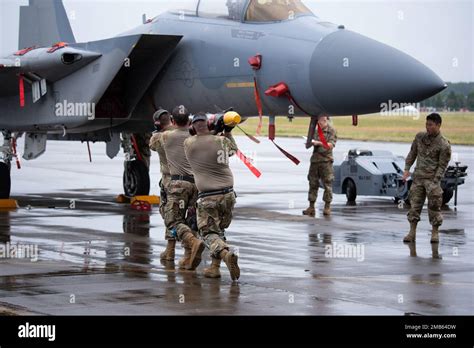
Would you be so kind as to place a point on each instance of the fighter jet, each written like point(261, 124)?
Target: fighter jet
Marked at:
point(261, 57)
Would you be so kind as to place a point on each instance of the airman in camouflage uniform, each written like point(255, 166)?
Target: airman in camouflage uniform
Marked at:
point(432, 151)
point(321, 168)
point(208, 155)
point(182, 191)
point(162, 120)
point(143, 145)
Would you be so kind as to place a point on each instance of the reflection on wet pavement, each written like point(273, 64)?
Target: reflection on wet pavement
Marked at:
point(103, 258)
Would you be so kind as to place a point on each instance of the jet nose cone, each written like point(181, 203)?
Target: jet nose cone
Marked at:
point(352, 74)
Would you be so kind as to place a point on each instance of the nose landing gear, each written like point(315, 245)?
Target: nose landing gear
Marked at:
point(136, 176)
point(6, 156)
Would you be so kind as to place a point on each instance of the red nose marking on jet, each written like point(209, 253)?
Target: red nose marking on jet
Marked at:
point(281, 89)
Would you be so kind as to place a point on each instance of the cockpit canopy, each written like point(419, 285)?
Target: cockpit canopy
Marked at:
point(245, 10)
point(275, 10)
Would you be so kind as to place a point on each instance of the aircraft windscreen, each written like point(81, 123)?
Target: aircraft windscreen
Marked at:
point(183, 7)
point(224, 9)
point(275, 10)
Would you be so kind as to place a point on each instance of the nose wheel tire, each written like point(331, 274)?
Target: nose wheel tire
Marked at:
point(136, 179)
point(5, 181)
point(351, 191)
point(448, 193)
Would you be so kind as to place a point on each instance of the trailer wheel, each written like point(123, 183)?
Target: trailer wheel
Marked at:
point(448, 193)
point(351, 190)
point(5, 181)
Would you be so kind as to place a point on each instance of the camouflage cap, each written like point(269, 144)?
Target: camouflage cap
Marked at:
point(200, 116)
point(158, 114)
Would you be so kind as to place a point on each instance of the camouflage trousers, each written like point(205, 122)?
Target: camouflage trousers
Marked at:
point(214, 215)
point(324, 172)
point(181, 197)
point(419, 191)
point(164, 187)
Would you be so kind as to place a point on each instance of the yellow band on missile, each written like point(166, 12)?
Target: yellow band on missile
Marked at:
point(240, 85)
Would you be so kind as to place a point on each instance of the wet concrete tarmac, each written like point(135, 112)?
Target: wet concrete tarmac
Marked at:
point(103, 258)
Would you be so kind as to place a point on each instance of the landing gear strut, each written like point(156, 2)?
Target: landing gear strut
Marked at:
point(6, 156)
point(136, 175)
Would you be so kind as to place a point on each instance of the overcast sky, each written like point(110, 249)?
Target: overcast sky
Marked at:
point(439, 33)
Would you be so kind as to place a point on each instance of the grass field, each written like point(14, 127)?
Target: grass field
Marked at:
point(457, 127)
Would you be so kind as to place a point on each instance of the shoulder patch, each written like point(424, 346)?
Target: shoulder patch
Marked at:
point(446, 141)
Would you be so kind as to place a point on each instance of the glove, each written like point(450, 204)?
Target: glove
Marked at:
point(228, 129)
point(219, 126)
point(437, 179)
point(191, 219)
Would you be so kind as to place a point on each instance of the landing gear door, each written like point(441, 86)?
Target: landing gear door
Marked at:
point(35, 145)
point(113, 146)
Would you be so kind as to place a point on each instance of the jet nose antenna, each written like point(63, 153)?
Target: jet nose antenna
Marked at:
point(367, 74)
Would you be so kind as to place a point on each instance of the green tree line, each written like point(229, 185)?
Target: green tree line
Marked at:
point(457, 96)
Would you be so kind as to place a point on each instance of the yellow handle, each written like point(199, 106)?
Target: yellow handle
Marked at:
point(232, 119)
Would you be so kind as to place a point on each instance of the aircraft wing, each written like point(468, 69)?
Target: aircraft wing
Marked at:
point(110, 76)
point(137, 70)
point(114, 74)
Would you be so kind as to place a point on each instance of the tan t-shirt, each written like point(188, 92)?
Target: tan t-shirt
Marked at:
point(156, 144)
point(209, 159)
point(173, 141)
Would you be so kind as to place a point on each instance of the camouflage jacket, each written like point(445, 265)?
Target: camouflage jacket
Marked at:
point(432, 154)
point(320, 153)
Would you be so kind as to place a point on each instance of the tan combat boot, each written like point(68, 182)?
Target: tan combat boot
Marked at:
point(411, 236)
point(327, 209)
point(310, 211)
point(214, 270)
point(231, 261)
point(168, 254)
point(435, 234)
point(197, 247)
point(185, 260)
